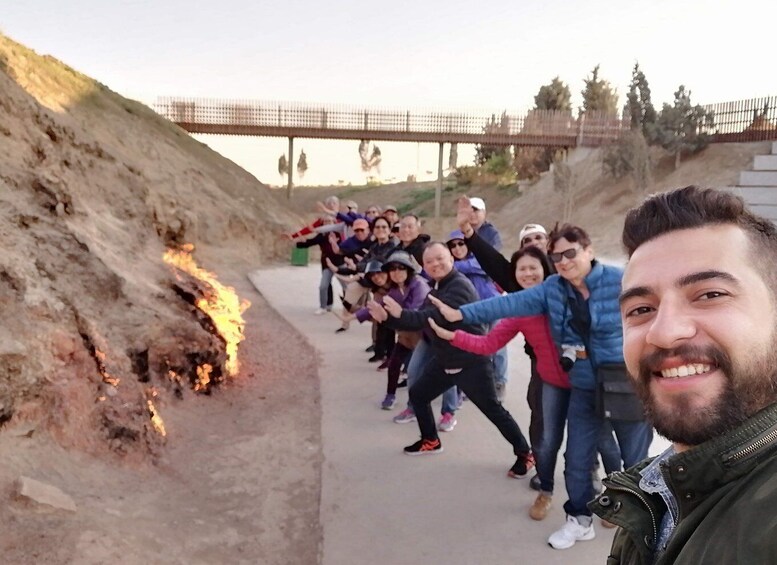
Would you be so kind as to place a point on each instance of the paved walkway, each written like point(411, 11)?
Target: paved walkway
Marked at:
point(380, 506)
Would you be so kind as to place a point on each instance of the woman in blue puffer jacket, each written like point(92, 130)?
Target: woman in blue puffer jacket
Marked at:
point(581, 302)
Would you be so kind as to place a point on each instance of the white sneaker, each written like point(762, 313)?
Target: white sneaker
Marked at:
point(320, 311)
point(571, 532)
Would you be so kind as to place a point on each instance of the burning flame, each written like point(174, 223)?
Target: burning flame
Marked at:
point(156, 419)
point(107, 377)
point(222, 304)
point(203, 377)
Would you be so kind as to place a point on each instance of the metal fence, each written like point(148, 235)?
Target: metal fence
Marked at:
point(536, 127)
point(744, 120)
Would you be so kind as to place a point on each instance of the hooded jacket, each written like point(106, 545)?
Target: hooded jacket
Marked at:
point(726, 491)
point(605, 342)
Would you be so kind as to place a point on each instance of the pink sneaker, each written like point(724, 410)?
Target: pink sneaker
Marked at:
point(447, 422)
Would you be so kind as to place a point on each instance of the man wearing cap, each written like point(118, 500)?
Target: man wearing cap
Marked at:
point(390, 213)
point(490, 235)
point(534, 235)
point(484, 229)
point(353, 248)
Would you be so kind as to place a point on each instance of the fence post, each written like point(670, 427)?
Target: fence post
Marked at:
point(438, 188)
point(291, 168)
point(580, 125)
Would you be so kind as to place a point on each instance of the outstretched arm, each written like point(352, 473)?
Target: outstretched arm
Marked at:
point(487, 344)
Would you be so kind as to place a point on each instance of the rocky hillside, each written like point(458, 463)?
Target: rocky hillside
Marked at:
point(93, 189)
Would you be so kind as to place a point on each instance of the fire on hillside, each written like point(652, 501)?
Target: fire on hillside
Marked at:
point(220, 304)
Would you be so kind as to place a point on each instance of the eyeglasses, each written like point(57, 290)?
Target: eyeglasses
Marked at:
point(357, 230)
point(569, 254)
point(454, 244)
point(395, 267)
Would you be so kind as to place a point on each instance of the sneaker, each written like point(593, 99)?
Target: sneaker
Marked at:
point(501, 389)
point(370, 349)
point(540, 507)
point(389, 402)
point(572, 531)
point(375, 358)
point(424, 447)
point(447, 422)
point(341, 329)
point(535, 483)
point(320, 311)
point(402, 383)
point(405, 417)
point(523, 464)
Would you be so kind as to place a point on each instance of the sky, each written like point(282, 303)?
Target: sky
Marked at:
point(448, 55)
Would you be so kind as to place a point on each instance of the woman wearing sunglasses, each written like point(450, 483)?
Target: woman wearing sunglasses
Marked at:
point(582, 306)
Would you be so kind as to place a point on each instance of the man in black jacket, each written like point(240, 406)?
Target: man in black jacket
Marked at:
point(449, 365)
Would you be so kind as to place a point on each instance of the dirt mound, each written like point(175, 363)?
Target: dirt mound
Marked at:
point(93, 189)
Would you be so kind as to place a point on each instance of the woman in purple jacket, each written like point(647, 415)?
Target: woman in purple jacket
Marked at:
point(409, 290)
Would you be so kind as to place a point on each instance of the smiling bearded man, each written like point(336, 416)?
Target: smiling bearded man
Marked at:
point(699, 315)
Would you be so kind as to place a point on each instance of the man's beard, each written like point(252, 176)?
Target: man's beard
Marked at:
point(749, 387)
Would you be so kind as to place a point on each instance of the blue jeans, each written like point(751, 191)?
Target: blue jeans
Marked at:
point(500, 365)
point(422, 354)
point(555, 407)
point(323, 288)
point(584, 430)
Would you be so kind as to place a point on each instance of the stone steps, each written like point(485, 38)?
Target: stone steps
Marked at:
point(765, 163)
point(758, 187)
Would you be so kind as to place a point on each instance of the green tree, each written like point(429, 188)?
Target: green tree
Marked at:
point(639, 108)
point(283, 165)
point(302, 164)
point(681, 128)
point(554, 96)
point(599, 95)
point(530, 162)
point(484, 152)
point(629, 156)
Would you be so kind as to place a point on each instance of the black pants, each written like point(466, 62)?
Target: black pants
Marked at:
point(384, 340)
point(534, 398)
point(477, 382)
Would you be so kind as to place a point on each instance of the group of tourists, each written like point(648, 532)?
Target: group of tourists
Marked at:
point(697, 321)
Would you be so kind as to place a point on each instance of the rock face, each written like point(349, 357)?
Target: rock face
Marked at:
point(93, 189)
point(43, 494)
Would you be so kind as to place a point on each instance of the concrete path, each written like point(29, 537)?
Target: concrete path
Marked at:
point(381, 506)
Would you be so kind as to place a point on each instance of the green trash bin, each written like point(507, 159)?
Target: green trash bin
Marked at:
point(299, 256)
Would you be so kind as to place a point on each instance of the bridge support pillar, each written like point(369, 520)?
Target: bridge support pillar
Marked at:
point(290, 174)
point(438, 188)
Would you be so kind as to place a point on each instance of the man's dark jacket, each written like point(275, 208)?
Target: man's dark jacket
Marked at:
point(455, 290)
point(416, 247)
point(726, 490)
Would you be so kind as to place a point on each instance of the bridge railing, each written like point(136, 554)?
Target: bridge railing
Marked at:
point(754, 119)
point(244, 117)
